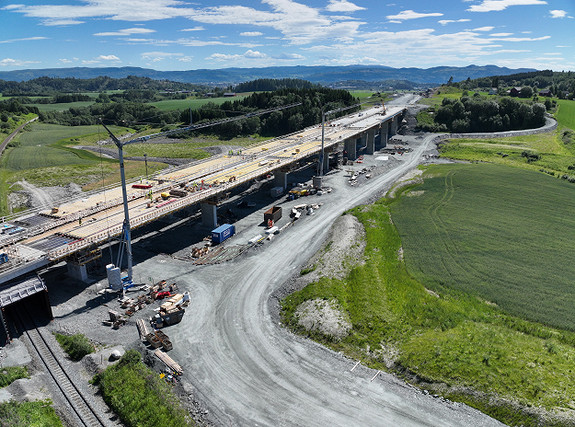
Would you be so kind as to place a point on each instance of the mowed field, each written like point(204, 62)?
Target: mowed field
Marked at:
point(503, 234)
point(194, 103)
point(566, 113)
point(36, 150)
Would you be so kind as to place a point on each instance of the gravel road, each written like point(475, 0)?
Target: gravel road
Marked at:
point(247, 369)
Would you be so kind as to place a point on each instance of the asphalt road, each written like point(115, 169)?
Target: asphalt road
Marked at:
point(246, 369)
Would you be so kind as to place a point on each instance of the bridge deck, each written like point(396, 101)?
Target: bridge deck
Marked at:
point(93, 219)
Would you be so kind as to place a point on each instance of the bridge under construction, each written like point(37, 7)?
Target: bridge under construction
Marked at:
point(74, 230)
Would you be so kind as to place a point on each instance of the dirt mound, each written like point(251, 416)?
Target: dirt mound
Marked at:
point(323, 316)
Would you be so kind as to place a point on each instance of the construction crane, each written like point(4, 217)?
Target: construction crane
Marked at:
point(125, 239)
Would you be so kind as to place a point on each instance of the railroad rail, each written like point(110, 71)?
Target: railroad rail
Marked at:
point(81, 408)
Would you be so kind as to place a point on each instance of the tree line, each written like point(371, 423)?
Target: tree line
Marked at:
point(476, 114)
point(49, 86)
point(261, 85)
point(139, 114)
point(561, 84)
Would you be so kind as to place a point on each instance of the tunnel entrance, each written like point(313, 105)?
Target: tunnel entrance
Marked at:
point(28, 294)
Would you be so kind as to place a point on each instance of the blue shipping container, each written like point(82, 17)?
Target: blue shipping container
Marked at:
point(222, 233)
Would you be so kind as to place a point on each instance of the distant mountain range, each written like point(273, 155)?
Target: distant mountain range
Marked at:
point(316, 74)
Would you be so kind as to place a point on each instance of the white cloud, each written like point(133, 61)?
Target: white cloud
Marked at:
point(559, 14)
point(289, 56)
point(126, 32)
point(483, 29)
point(22, 40)
point(449, 21)
point(62, 22)
point(521, 39)
point(194, 29)
point(342, 6)
point(299, 23)
point(501, 34)
point(254, 54)
point(160, 56)
point(9, 62)
point(410, 14)
point(246, 57)
point(221, 57)
point(108, 58)
point(251, 34)
point(498, 5)
point(121, 10)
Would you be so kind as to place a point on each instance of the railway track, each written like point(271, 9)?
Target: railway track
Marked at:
point(82, 410)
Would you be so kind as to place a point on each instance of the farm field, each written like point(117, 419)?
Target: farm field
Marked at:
point(566, 113)
point(434, 301)
point(184, 104)
point(47, 108)
point(44, 156)
point(502, 234)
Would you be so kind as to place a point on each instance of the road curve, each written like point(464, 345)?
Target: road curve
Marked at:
point(248, 370)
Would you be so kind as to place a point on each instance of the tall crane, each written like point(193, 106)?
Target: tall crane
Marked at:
point(125, 239)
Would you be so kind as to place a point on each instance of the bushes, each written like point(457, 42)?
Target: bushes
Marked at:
point(10, 374)
point(139, 396)
point(24, 414)
point(76, 346)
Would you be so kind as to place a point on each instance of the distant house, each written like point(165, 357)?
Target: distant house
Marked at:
point(514, 91)
point(545, 92)
point(228, 94)
point(493, 91)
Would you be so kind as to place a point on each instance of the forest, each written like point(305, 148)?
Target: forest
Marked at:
point(477, 114)
point(139, 115)
point(561, 84)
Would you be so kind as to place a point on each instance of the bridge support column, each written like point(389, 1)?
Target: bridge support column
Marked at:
point(326, 162)
point(77, 271)
point(280, 179)
point(393, 126)
point(209, 214)
point(370, 141)
point(350, 147)
point(383, 136)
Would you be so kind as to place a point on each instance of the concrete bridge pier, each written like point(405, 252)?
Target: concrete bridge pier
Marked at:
point(77, 271)
point(209, 214)
point(370, 141)
point(350, 148)
point(393, 126)
point(383, 137)
point(281, 179)
point(326, 161)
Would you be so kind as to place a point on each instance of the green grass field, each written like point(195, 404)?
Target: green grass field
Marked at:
point(566, 113)
point(448, 235)
point(478, 235)
point(193, 103)
point(44, 156)
point(47, 108)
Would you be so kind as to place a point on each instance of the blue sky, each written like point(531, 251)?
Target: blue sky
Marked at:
point(184, 35)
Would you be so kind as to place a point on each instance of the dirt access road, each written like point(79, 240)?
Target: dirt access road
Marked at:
point(247, 369)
